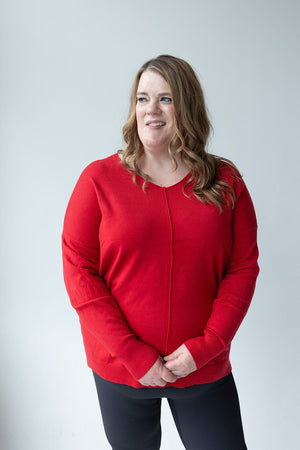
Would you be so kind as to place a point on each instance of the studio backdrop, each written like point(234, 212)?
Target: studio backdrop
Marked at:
point(66, 73)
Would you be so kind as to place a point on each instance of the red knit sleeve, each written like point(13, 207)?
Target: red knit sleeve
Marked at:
point(236, 287)
point(97, 309)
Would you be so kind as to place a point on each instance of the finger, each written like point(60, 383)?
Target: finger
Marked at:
point(172, 356)
point(168, 376)
point(171, 379)
point(171, 365)
point(161, 383)
point(178, 374)
point(169, 357)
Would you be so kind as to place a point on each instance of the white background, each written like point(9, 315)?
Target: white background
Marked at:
point(66, 71)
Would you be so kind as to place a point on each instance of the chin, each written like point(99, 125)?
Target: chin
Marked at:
point(155, 146)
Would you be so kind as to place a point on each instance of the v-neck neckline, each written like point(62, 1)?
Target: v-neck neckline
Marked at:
point(158, 186)
point(155, 185)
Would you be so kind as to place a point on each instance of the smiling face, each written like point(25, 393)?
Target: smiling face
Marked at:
point(154, 112)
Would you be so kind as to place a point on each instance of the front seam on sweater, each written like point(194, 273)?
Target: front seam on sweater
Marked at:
point(170, 272)
point(148, 273)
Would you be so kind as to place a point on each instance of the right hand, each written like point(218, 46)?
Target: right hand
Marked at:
point(158, 375)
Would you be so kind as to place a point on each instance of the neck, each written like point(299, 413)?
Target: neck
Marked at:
point(161, 162)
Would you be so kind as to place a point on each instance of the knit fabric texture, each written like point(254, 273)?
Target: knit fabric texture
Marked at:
point(149, 271)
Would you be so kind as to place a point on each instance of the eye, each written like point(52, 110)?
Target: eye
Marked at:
point(141, 99)
point(166, 99)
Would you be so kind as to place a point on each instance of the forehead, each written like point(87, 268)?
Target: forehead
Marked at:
point(152, 81)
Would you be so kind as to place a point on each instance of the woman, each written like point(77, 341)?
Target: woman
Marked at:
point(160, 263)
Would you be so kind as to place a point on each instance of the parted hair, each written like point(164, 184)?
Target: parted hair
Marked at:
point(192, 130)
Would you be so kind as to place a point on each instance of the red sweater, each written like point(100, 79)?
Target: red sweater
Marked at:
point(149, 271)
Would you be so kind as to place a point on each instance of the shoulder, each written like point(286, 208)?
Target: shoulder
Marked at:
point(102, 168)
point(105, 174)
point(228, 170)
point(230, 174)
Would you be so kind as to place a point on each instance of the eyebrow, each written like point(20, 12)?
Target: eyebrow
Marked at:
point(160, 94)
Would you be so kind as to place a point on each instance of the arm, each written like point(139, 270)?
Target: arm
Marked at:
point(97, 309)
point(233, 298)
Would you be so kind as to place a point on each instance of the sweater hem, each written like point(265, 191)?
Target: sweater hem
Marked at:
point(207, 374)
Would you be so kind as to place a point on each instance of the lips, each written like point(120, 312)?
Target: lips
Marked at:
point(155, 124)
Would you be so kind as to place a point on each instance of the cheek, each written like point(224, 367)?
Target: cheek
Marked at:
point(138, 121)
point(172, 124)
point(139, 125)
point(138, 115)
point(171, 115)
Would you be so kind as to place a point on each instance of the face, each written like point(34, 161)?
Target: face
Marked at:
point(154, 112)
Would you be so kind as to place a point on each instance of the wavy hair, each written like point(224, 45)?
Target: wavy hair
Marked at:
point(192, 129)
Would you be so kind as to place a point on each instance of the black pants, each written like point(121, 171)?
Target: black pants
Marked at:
point(207, 416)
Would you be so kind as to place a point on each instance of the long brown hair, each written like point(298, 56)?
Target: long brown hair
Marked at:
point(192, 129)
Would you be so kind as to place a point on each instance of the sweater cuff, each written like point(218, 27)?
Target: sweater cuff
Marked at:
point(138, 358)
point(205, 348)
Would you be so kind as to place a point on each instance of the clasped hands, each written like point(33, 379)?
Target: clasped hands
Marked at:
point(165, 370)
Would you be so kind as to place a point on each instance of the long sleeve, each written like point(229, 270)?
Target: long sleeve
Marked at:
point(149, 271)
point(235, 289)
point(98, 311)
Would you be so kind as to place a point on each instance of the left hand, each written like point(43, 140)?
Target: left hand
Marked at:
point(180, 362)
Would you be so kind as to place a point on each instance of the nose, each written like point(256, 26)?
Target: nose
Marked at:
point(153, 107)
